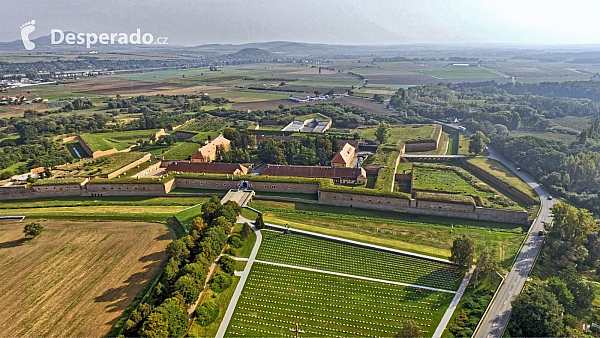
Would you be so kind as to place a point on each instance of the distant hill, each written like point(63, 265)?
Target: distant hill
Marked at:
point(253, 54)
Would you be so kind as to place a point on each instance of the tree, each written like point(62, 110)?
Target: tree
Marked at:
point(477, 143)
point(227, 264)
point(178, 250)
point(174, 312)
point(573, 224)
point(156, 326)
point(33, 229)
point(560, 290)
point(462, 251)
point(486, 267)
point(382, 132)
point(409, 329)
point(536, 313)
point(195, 270)
point(187, 286)
point(259, 223)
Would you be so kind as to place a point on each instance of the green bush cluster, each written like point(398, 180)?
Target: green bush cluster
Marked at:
point(221, 282)
point(472, 308)
point(206, 313)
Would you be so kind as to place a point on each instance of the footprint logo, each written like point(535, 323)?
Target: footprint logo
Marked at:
point(27, 29)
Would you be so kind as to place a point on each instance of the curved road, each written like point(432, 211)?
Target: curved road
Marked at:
point(495, 321)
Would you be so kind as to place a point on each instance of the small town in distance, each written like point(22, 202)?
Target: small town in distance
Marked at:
point(367, 179)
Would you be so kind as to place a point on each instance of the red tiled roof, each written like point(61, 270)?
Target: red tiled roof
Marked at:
point(312, 171)
point(210, 168)
point(209, 149)
point(345, 155)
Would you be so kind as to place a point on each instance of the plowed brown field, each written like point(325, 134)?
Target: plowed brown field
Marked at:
point(76, 278)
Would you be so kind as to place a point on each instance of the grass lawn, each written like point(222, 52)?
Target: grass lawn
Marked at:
point(504, 174)
point(463, 144)
point(76, 150)
point(420, 234)
point(99, 213)
point(17, 168)
point(316, 253)
point(119, 140)
point(104, 165)
point(205, 123)
point(274, 299)
point(396, 133)
point(182, 151)
point(446, 179)
point(186, 217)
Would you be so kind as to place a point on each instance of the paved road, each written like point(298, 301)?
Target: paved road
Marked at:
point(495, 321)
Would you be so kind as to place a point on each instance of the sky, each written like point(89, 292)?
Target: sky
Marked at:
point(350, 22)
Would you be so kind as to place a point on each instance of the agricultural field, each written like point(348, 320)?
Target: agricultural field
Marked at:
point(119, 140)
point(103, 165)
point(275, 298)
point(461, 73)
point(76, 278)
point(453, 180)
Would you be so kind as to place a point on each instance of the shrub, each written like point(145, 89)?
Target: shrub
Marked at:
point(206, 314)
point(246, 231)
point(227, 264)
point(221, 282)
point(236, 242)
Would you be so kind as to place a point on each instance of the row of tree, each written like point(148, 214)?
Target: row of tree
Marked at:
point(549, 306)
point(189, 260)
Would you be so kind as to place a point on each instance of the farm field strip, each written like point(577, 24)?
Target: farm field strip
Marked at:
point(275, 298)
point(305, 251)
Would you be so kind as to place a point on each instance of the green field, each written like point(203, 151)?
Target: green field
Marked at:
point(426, 235)
point(17, 168)
point(404, 133)
point(185, 217)
point(504, 174)
point(321, 254)
point(461, 73)
point(76, 150)
point(453, 180)
point(205, 123)
point(104, 165)
point(274, 299)
point(182, 151)
point(130, 208)
point(119, 140)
